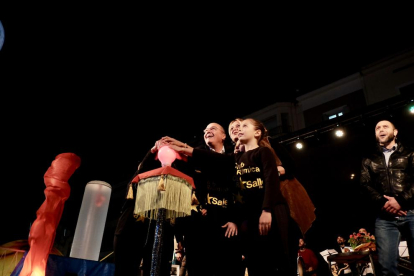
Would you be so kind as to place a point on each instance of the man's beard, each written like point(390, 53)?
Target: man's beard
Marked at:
point(388, 139)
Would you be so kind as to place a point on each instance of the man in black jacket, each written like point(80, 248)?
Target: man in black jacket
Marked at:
point(212, 227)
point(387, 178)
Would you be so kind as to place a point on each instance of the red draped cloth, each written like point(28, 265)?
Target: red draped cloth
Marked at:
point(43, 231)
point(301, 206)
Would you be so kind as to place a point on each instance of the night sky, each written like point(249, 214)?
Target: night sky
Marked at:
point(105, 82)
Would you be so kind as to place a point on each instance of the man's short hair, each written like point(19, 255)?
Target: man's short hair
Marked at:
point(388, 120)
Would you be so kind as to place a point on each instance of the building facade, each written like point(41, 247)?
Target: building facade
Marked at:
point(374, 85)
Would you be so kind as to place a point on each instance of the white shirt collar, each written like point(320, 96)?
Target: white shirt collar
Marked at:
point(222, 150)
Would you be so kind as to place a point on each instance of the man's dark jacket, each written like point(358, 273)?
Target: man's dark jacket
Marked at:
point(395, 180)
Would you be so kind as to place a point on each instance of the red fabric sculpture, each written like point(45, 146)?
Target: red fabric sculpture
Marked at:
point(43, 231)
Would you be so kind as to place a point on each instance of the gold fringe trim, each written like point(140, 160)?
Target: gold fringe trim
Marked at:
point(130, 194)
point(139, 218)
point(161, 186)
point(175, 198)
point(194, 200)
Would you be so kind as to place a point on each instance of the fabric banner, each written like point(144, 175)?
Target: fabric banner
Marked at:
point(63, 266)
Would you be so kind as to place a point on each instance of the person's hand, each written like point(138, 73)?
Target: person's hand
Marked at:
point(401, 213)
point(172, 141)
point(157, 146)
point(182, 148)
point(265, 223)
point(281, 170)
point(393, 207)
point(238, 147)
point(183, 151)
point(231, 229)
point(203, 212)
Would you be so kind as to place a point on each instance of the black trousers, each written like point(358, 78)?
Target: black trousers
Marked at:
point(275, 253)
point(225, 253)
point(208, 251)
point(133, 243)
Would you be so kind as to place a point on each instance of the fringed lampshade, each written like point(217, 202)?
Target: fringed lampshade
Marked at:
point(163, 188)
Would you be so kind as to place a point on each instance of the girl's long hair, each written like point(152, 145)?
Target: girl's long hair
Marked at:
point(263, 140)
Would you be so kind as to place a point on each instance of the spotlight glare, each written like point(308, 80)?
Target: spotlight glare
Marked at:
point(412, 109)
point(299, 145)
point(339, 133)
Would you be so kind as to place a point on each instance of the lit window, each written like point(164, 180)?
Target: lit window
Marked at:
point(332, 116)
point(340, 114)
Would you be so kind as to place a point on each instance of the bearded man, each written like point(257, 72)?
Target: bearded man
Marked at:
point(387, 180)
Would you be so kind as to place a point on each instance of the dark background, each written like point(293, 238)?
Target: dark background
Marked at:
point(325, 165)
point(105, 82)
